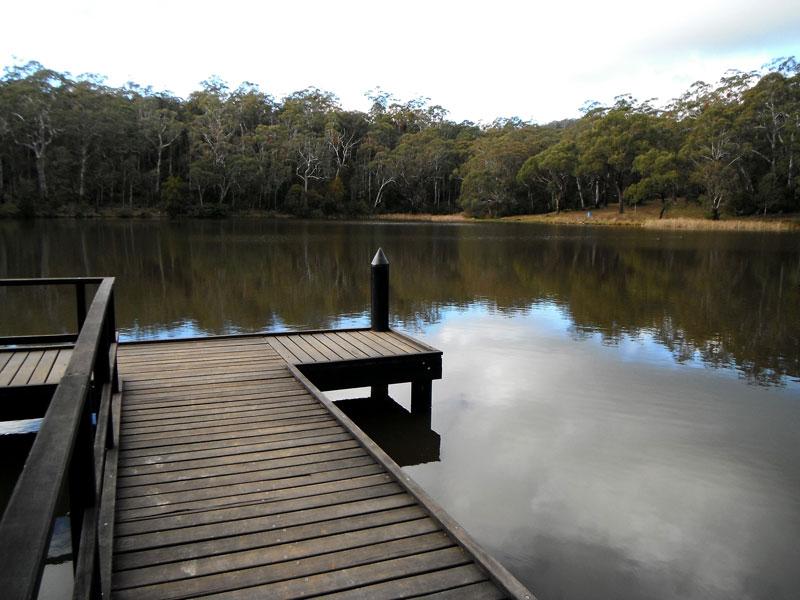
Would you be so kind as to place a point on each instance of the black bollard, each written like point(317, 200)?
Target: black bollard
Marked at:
point(380, 292)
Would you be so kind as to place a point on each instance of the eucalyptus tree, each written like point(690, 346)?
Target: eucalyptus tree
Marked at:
point(32, 99)
point(714, 143)
point(618, 134)
point(160, 127)
point(714, 149)
point(274, 160)
point(551, 168)
point(660, 177)
point(213, 128)
point(490, 184)
point(771, 111)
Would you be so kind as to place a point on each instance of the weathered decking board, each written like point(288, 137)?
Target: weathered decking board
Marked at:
point(341, 345)
point(237, 479)
point(35, 366)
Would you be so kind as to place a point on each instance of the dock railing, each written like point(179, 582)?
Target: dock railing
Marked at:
point(79, 283)
point(72, 452)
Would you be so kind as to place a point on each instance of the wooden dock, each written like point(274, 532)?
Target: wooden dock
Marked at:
point(216, 467)
point(238, 479)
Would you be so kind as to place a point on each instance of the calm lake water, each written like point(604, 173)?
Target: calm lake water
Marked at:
point(619, 414)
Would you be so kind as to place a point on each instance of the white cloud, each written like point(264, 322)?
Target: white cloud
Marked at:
point(480, 60)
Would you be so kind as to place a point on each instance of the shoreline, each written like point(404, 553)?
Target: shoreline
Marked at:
point(609, 217)
point(646, 217)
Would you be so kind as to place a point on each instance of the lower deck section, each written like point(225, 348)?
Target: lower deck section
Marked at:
point(33, 366)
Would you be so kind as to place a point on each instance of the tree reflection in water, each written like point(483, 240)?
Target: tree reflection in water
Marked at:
point(728, 299)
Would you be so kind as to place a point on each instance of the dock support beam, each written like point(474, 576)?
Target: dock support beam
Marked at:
point(421, 400)
point(380, 292)
point(379, 392)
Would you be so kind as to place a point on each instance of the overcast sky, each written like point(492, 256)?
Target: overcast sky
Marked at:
point(480, 60)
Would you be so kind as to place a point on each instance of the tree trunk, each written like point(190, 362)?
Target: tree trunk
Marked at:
point(82, 178)
point(41, 176)
point(619, 195)
point(158, 172)
point(580, 191)
point(597, 192)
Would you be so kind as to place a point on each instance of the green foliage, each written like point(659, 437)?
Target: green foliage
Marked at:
point(174, 195)
point(490, 186)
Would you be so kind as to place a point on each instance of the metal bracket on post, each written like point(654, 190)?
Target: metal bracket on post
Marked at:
point(380, 292)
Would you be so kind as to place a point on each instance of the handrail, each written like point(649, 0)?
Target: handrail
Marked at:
point(13, 282)
point(80, 284)
point(62, 453)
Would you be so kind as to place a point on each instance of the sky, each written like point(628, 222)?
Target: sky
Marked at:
point(539, 61)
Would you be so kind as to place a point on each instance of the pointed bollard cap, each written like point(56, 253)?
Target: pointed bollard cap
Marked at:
point(380, 258)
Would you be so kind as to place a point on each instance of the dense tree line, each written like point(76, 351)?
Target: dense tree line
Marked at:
point(75, 141)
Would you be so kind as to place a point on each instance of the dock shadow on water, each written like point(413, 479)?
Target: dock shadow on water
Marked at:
point(619, 413)
point(406, 437)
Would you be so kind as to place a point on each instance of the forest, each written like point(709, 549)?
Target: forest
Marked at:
point(74, 145)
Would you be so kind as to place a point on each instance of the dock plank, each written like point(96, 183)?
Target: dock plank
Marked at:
point(257, 495)
point(338, 352)
point(4, 358)
point(27, 367)
point(345, 345)
point(42, 370)
point(59, 366)
point(354, 340)
point(12, 366)
point(311, 348)
point(292, 347)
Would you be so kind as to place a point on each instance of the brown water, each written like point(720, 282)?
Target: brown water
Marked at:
point(620, 410)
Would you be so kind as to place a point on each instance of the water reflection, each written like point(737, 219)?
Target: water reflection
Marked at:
point(599, 433)
point(729, 300)
point(617, 473)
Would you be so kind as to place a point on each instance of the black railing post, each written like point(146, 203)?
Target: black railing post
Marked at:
point(80, 301)
point(112, 333)
point(81, 480)
point(380, 292)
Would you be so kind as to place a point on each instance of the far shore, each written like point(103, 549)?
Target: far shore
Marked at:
point(683, 215)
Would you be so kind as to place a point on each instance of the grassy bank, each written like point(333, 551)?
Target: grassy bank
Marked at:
point(682, 216)
point(423, 217)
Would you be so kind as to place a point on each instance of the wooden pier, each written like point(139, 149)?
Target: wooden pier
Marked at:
point(217, 468)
